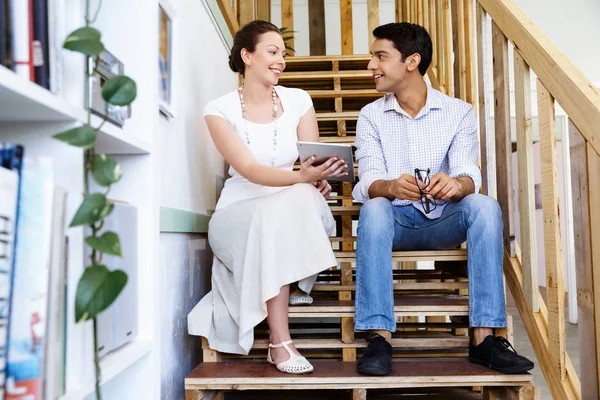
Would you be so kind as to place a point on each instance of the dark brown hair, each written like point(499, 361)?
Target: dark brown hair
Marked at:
point(247, 38)
point(408, 39)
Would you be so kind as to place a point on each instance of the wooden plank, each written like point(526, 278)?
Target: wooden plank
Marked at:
point(208, 354)
point(229, 15)
point(552, 241)
point(585, 276)
point(345, 115)
point(470, 57)
point(460, 63)
point(432, 29)
point(448, 48)
point(399, 286)
point(203, 395)
point(263, 10)
point(359, 394)
point(511, 393)
point(338, 102)
point(373, 18)
point(404, 343)
point(287, 19)
point(537, 331)
point(502, 133)
point(399, 11)
point(243, 374)
point(247, 12)
point(345, 93)
point(573, 91)
point(328, 58)
point(593, 167)
point(302, 75)
point(316, 27)
point(481, 106)
point(529, 259)
point(346, 26)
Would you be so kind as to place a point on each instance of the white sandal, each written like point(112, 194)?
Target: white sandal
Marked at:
point(294, 365)
point(300, 298)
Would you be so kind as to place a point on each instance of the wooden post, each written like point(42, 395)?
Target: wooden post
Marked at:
point(460, 56)
point(316, 27)
point(399, 11)
point(247, 12)
point(588, 312)
point(529, 259)
point(552, 242)
point(263, 10)
point(347, 323)
point(208, 354)
point(287, 19)
point(485, 134)
point(346, 26)
point(447, 33)
point(203, 395)
point(338, 104)
point(359, 394)
point(511, 393)
point(470, 76)
point(502, 131)
point(373, 22)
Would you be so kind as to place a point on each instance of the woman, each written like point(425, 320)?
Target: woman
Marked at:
point(272, 224)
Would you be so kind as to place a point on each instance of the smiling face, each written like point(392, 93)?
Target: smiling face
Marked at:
point(389, 71)
point(267, 62)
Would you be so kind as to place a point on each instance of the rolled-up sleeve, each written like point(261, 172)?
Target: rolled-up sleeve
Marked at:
point(463, 154)
point(369, 155)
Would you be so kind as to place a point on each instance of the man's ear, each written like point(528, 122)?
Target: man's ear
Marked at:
point(413, 61)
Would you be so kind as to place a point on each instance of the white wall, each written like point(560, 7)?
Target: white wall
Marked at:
point(191, 167)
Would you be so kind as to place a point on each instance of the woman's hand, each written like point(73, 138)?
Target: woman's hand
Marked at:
point(323, 187)
point(329, 169)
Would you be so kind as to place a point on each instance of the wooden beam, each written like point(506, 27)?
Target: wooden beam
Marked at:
point(593, 167)
point(470, 57)
point(399, 13)
point(573, 91)
point(346, 26)
point(316, 27)
point(447, 33)
point(229, 15)
point(460, 50)
point(526, 182)
point(432, 29)
point(511, 393)
point(502, 132)
point(263, 10)
point(359, 394)
point(552, 240)
point(373, 18)
point(587, 310)
point(247, 12)
point(485, 134)
point(287, 20)
point(537, 331)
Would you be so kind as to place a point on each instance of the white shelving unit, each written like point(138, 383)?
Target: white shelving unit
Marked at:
point(31, 115)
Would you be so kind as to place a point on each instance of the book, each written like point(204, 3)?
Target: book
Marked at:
point(29, 303)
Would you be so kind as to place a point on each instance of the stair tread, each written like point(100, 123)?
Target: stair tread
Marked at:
point(331, 287)
point(409, 342)
point(305, 59)
point(334, 116)
point(420, 255)
point(349, 93)
point(408, 372)
point(326, 74)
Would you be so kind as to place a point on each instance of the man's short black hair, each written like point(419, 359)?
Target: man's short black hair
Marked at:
point(408, 39)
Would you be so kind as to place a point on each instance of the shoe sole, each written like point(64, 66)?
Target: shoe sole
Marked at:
point(516, 369)
point(373, 371)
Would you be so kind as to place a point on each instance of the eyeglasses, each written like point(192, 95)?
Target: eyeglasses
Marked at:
point(422, 180)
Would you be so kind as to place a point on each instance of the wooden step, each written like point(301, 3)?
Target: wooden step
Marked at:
point(403, 306)
point(406, 343)
point(370, 94)
point(314, 75)
point(423, 255)
point(338, 116)
point(397, 286)
point(335, 374)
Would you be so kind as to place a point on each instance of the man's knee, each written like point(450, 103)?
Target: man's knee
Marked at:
point(480, 205)
point(376, 213)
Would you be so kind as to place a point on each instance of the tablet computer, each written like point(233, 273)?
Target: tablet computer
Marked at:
point(324, 151)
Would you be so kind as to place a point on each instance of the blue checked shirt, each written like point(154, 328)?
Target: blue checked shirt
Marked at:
point(389, 142)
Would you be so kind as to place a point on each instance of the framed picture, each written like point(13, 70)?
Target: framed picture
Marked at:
point(166, 17)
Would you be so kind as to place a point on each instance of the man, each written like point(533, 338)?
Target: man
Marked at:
point(417, 154)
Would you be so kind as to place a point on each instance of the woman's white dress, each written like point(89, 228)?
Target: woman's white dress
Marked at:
point(262, 237)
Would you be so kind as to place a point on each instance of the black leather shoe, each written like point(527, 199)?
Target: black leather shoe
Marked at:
point(496, 354)
point(378, 358)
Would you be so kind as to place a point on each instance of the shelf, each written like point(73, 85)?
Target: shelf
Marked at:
point(23, 100)
point(114, 140)
point(112, 365)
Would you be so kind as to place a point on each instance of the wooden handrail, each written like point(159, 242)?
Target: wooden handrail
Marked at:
point(229, 15)
point(573, 91)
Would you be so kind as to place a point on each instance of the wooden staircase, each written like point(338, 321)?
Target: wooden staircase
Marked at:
point(431, 305)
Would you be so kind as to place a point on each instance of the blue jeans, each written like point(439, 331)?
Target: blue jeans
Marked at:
point(383, 227)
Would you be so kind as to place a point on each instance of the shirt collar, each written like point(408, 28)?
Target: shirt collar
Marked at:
point(434, 101)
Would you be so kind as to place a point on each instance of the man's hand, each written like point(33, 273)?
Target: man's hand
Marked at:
point(405, 188)
point(443, 187)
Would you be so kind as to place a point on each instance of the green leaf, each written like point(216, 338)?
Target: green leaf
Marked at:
point(119, 90)
point(93, 209)
point(85, 40)
point(285, 39)
point(289, 48)
point(97, 289)
point(106, 170)
point(83, 136)
point(108, 243)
